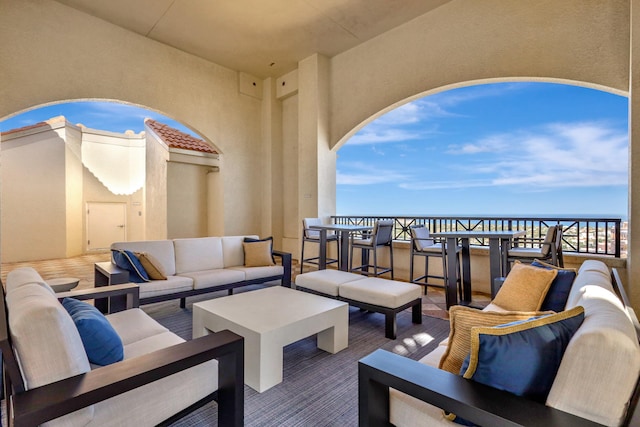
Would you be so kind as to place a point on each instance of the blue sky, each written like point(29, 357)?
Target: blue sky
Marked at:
point(533, 149)
point(496, 149)
point(109, 116)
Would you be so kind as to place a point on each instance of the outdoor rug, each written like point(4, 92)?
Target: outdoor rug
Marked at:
point(319, 388)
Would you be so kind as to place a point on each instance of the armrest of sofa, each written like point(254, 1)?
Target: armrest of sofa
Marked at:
point(285, 258)
point(131, 291)
point(54, 400)
point(473, 401)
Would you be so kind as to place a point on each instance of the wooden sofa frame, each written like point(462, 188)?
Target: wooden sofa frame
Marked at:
point(38, 405)
point(473, 401)
point(106, 273)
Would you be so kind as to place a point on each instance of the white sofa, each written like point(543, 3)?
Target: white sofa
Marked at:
point(52, 379)
point(194, 266)
point(597, 377)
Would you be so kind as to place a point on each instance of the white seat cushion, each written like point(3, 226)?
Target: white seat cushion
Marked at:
point(383, 292)
point(326, 281)
point(145, 326)
point(172, 285)
point(252, 273)
point(209, 278)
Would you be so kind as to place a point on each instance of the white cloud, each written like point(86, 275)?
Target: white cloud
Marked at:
point(364, 174)
point(556, 155)
point(368, 137)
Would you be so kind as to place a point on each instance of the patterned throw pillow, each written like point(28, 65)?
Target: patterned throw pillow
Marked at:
point(127, 260)
point(462, 319)
point(524, 288)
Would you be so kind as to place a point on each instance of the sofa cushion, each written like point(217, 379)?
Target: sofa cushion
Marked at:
point(152, 266)
point(382, 292)
point(558, 293)
point(47, 343)
point(127, 260)
point(172, 285)
point(25, 275)
point(209, 278)
point(524, 288)
point(198, 254)
point(145, 326)
point(602, 362)
point(100, 340)
point(326, 281)
point(253, 273)
point(232, 250)
point(461, 320)
point(258, 253)
point(591, 273)
point(162, 250)
point(521, 357)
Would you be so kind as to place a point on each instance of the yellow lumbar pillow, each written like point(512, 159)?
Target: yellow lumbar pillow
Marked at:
point(524, 288)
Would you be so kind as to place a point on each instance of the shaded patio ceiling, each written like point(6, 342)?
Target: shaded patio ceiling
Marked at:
point(265, 38)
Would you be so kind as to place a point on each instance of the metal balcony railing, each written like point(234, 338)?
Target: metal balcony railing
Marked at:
point(602, 236)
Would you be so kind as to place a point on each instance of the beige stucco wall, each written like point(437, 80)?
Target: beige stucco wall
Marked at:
point(34, 204)
point(464, 42)
point(187, 192)
point(74, 190)
point(57, 53)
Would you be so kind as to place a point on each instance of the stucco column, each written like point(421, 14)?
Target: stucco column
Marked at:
point(633, 255)
point(316, 162)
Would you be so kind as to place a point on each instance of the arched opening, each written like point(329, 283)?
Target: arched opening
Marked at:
point(516, 148)
point(80, 175)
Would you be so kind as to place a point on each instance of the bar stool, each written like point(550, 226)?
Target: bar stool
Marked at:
point(313, 236)
point(382, 235)
point(422, 244)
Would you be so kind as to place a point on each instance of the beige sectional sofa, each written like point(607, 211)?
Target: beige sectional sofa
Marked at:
point(596, 381)
point(194, 266)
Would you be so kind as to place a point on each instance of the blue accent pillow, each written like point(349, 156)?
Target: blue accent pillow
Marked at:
point(127, 260)
point(558, 292)
point(101, 342)
point(522, 357)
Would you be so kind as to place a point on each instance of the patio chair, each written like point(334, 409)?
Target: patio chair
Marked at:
point(313, 236)
point(547, 249)
point(422, 244)
point(381, 235)
point(150, 376)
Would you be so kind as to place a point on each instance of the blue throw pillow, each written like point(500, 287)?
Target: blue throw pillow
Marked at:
point(127, 260)
point(101, 342)
point(522, 357)
point(558, 292)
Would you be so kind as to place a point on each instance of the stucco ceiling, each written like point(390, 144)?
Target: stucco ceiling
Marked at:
point(261, 37)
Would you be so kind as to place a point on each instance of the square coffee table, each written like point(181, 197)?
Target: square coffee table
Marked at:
point(270, 319)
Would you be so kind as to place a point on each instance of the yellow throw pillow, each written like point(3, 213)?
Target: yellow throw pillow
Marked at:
point(462, 319)
point(152, 266)
point(257, 254)
point(524, 288)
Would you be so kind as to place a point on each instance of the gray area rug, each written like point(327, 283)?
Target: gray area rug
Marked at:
point(319, 389)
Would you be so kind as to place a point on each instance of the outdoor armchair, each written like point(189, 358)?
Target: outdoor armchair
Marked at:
point(547, 249)
point(160, 379)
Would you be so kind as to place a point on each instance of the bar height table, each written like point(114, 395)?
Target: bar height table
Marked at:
point(499, 244)
point(343, 231)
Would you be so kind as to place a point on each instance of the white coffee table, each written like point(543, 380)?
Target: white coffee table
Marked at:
point(270, 319)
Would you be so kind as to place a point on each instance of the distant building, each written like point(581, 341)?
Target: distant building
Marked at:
point(68, 189)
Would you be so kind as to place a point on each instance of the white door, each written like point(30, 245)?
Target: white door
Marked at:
point(106, 223)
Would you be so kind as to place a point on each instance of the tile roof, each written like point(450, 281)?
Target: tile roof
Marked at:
point(176, 139)
point(36, 125)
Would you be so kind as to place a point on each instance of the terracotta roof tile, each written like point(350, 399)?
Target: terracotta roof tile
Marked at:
point(176, 139)
point(37, 125)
